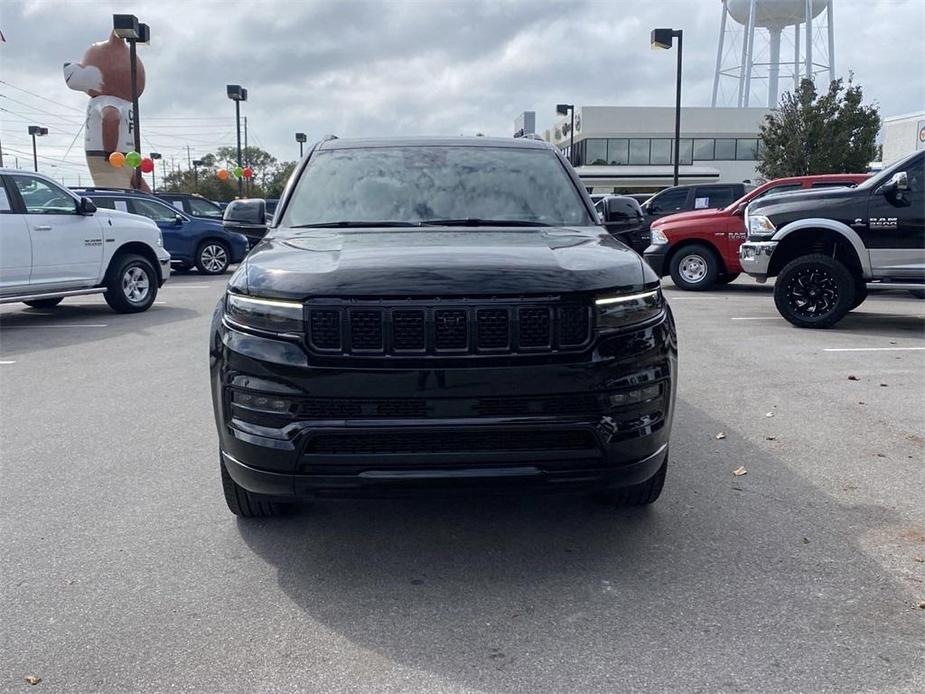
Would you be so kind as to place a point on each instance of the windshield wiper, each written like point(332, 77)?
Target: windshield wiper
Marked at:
point(352, 225)
point(477, 222)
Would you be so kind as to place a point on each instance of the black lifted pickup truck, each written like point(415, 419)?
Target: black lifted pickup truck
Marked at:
point(440, 314)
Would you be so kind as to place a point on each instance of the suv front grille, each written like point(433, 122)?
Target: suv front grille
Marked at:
point(410, 328)
point(450, 441)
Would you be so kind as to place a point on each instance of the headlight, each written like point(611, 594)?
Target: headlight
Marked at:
point(160, 238)
point(760, 226)
point(658, 236)
point(620, 310)
point(267, 315)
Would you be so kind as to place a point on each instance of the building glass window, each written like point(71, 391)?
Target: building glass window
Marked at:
point(639, 151)
point(747, 150)
point(596, 152)
point(661, 152)
point(703, 150)
point(686, 151)
point(725, 150)
point(617, 151)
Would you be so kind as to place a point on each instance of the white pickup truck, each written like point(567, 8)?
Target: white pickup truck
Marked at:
point(55, 244)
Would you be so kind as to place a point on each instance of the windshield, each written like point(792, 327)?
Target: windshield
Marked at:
point(420, 184)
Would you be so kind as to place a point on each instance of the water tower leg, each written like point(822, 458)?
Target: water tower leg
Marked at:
point(808, 57)
point(719, 54)
point(751, 52)
point(796, 57)
point(831, 41)
point(774, 67)
point(745, 55)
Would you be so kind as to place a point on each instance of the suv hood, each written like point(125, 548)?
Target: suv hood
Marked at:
point(799, 199)
point(440, 261)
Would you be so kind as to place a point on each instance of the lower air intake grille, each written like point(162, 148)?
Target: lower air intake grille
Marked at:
point(450, 441)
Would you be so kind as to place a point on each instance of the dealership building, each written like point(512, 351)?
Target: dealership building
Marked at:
point(620, 149)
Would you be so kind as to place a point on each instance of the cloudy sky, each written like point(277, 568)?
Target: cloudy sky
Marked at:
point(386, 68)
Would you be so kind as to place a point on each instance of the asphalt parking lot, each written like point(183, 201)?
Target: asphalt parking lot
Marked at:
point(123, 571)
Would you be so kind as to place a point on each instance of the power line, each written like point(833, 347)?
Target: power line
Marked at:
point(39, 96)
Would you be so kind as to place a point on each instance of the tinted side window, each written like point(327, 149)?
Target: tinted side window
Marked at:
point(669, 201)
point(41, 197)
point(153, 210)
point(831, 184)
point(915, 174)
point(779, 189)
point(107, 203)
point(721, 196)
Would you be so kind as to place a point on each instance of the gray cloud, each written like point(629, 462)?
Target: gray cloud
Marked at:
point(374, 68)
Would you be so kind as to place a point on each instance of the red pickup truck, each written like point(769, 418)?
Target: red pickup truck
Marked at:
point(700, 249)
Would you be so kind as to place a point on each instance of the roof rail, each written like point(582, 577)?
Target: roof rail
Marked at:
point(108, 189)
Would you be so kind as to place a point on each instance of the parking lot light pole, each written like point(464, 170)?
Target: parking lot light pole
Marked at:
point(196, 164)
point(563, 110)
point(237, 93)
point(301, 138)
point(663, 38)
point(126, 26)
point(154, 157)
point(36, 131)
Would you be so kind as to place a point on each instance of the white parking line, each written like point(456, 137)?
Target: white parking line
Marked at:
point(7, 362)
point(189, 286)
point(873, 349)
point(758, 318)
point(70, 325)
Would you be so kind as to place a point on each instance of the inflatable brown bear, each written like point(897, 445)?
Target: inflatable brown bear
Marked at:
point(105, 74)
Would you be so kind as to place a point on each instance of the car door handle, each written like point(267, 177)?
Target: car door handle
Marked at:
point(43, 227)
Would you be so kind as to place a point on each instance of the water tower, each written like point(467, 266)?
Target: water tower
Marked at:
point(749, 52)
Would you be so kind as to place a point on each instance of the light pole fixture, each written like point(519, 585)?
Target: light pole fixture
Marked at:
point(127, 27)
point(563, 110)
point(664, 38)
point(154, 157)
point(301, 138)
point(36, 131)
point(237, 93)
point(196, 164)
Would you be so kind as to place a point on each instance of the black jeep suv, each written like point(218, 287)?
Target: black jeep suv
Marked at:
point(829, 247)
point(440, 313)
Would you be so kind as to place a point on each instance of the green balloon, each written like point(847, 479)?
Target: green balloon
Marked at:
point(133, 159)
point(238, 172)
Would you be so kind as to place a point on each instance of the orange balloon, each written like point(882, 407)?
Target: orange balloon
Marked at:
point(223, 174)
point(117, 159)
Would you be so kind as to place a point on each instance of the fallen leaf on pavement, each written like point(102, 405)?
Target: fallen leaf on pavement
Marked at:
point(32, 679)
point(771, 438)
point(920, 560)
point(739, 471)
point(883, 385)
point(852, 378)
point(721, 435)
point(805, 540)
point(922, 605)
point(769, 414)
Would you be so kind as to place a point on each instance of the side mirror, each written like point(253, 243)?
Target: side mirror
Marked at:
point(245, 213)
point(178, 220)
point(740, 210)
point(897, 184)
point(86, 206)
point(622, 214)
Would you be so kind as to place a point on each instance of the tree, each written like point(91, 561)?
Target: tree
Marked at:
point(812, 134)
point(277, 183)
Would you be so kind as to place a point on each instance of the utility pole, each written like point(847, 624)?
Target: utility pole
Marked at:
point(189, 159)
point(1, 155)
point(247, 159)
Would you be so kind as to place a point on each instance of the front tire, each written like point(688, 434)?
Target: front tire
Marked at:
point(44, 303)
point(243, 503)
point(213, 258)
point(815, 291)
point(132, 284)
point(695, 268)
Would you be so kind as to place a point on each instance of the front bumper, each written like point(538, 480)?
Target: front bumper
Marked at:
point(755, 258)
point(601, 423)
point(163, 260)
point(656, 255)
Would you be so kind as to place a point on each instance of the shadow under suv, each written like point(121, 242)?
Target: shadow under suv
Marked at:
point(440, 314)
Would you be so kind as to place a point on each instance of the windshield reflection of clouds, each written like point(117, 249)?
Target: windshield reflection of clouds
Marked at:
point(412, 184)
